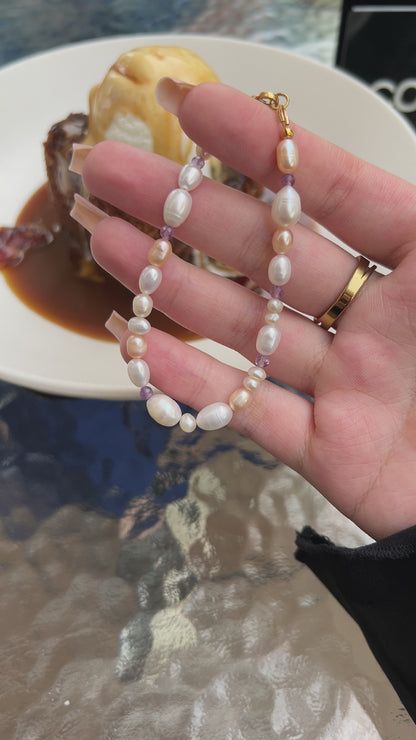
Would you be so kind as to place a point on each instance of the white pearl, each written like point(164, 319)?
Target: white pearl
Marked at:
point(272, 318)
point(187, 423)
point(251, 383)
point(280, 269)
point(139, 372)
point(287, 156)
point(139, 325)
point(164, 410)
point(257, 373)
point(214, 416)
point(190, 177)
point(275, 306)
point(286, 207)
point(150, 279)
point(268, 339)
point(177, 207)
point(142, 305)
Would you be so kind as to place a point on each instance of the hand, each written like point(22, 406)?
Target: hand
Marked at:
point(356, 440)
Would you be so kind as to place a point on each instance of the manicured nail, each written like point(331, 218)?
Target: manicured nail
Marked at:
point(169, 93)
point(86, 213)
point(116, 325)
point(79, 155)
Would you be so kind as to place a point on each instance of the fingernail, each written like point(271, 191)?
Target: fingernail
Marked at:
point(169, 93)
point(86, 213)
point(79, 155)
point(116, 325)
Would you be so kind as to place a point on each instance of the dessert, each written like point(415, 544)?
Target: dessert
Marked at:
point(59, 277)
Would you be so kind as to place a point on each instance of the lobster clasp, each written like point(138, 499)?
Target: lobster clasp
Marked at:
point(278, 102)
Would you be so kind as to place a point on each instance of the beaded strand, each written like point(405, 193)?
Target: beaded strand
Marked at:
point(286, 209)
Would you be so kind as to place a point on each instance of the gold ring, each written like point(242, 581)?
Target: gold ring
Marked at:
point(354, 285)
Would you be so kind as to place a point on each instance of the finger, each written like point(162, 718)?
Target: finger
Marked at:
point(138, 182)
point(211, 306)
point(350, 197)
point(196, 379)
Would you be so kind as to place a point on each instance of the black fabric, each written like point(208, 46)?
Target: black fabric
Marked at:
point(376, 584)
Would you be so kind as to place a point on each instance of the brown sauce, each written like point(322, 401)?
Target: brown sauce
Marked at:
point(46, 282)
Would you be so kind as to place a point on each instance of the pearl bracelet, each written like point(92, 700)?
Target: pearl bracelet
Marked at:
point(286, 209)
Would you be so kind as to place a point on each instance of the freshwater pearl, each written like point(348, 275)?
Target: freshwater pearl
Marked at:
point(214, 416)
point(280, 269)
point(287, 156)
point(159, 252)
point(190, 177)
point(139, 372)
point(136, 346)
point(251, 384)
point(187, 423)
point(272, 318)
point(139, 325)
point(282, 240)
point(274, 305)
point(142, 305)
point(164, 410)
point(177, 207)
point(286, 207)
point(268, 339)
point(150, 279)
point(239, 399)
point(257, 373)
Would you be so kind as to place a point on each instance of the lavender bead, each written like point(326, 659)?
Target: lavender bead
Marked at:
point(167, 232)
point(198, 162)
point(146, 392)
point(276, 291)
point(262, 361)
point(288, 180)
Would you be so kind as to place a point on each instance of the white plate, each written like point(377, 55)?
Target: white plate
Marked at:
point(42, 89)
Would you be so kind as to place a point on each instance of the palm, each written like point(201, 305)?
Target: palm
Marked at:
point(362, 453)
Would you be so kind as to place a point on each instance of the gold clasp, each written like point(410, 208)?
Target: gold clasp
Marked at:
point(274, 101)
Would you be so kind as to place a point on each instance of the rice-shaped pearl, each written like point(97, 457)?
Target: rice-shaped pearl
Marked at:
point(286, 207)
point(257, 372)
point(268, 339)
point(136, 346)
point(274, 305)
point(251, 383)
point(177, 207)
point(159, 252)
point(287, 156)
point(187, 423)
point(164, 410)
point(239, 399)
point(282, 240)
point(280, 270)
point(139, 373)
point(142, 305)
point(150, 279)
point(272, 318)
point(190, 177)
point(214, 416)
point(139, 325)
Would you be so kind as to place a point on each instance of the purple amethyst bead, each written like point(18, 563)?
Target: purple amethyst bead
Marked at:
point(146, 392)
point(198, 162)
point(276, 291)
point(262, 361)
point(167, 232)
point(288, 179)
